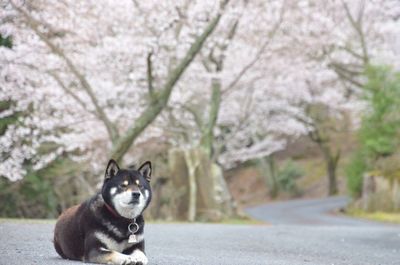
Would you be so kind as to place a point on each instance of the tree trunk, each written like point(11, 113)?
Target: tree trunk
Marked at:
point(331, 168)
point(201, 190)
point(269, 173)
point(178, 172)
point(192, 162)
point(208, 131)
point(213, 191)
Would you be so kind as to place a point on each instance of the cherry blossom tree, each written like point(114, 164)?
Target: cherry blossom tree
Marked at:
point(91, 76)
point(304, 80)
point(226, 114)
point(333, 43)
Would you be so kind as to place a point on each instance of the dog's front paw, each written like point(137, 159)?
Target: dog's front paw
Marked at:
point(129, 261)
point(136, 258)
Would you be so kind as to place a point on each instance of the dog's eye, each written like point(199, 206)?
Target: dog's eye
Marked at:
point(138, 184)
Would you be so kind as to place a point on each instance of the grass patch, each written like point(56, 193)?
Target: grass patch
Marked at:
point(376, 216)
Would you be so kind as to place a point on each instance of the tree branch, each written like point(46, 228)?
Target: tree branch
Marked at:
point(215, 102)
point(197, 118)
point(152, 111)
point(150, 74)
point(357, 25)
point(346, 68)
point(345, 75)
point(247, 67)
point(69, 92)
point(34, 25)
point(350, 51)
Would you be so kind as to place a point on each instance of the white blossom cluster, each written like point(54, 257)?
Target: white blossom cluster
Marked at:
point(109, 43)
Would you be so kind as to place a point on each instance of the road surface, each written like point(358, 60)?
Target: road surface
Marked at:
point(221, 244)
point(307, 212)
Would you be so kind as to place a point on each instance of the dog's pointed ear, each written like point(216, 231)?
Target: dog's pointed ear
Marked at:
point(145, 170)
point(112, 169)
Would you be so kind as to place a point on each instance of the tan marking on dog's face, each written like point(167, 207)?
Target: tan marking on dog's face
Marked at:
point(125, 183)
point(137, 182)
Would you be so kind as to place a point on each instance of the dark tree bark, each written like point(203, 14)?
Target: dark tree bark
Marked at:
point(331, 161)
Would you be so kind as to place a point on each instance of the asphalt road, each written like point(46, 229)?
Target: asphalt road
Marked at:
point(307, 212)
point(175, 244)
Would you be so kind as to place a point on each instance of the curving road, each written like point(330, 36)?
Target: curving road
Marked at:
point(307, 212)
point(294, 239)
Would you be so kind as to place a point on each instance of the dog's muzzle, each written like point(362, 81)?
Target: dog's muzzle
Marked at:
point(135, 197)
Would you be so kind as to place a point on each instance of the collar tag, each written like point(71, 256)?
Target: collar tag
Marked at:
point(132, 239)
point(133, 228)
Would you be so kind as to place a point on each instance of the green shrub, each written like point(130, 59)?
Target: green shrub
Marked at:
point(287, 177)
point(381, 123)
point(31, 197)
point(380, 127)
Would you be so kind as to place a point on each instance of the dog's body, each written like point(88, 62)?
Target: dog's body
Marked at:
point(108, 228)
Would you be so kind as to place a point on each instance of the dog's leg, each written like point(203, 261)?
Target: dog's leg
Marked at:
point(97, 252)
point(106, 256)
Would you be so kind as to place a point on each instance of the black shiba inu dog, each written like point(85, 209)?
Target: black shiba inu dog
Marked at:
point(108, 228)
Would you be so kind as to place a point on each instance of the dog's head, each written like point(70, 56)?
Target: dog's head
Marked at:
point(127, 191)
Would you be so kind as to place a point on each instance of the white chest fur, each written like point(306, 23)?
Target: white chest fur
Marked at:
point(112, 244)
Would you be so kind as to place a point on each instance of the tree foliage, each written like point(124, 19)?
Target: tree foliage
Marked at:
point(6, 41)
point(380, 126)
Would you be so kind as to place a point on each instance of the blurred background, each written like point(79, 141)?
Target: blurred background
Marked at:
point(235, 102)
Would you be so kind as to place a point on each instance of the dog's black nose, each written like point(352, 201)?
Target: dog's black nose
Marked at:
point(136, 194)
